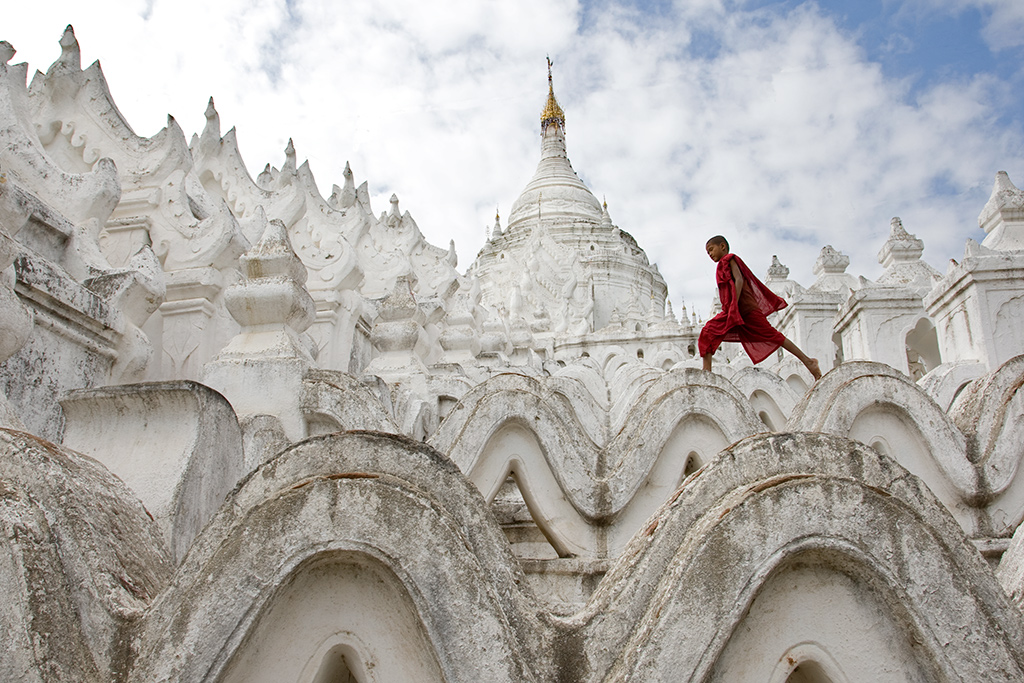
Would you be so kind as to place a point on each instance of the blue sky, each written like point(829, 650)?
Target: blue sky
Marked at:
point(785, 125)
point(924, 46)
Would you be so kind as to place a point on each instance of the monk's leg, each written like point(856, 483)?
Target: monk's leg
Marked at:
point(707, 362)
point(810, 363)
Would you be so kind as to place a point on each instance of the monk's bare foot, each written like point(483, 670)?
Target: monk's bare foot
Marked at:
point(815, 369)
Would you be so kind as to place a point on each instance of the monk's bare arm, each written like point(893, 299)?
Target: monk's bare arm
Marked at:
point(737, 278)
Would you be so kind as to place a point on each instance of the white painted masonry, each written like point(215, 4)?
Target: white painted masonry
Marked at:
point(249, 433)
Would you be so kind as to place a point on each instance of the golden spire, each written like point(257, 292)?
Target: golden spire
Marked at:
point(552, 112)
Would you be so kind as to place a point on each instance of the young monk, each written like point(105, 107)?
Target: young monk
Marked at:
point(746, 302)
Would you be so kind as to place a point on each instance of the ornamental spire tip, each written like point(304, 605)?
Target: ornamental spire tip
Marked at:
point(552, 113)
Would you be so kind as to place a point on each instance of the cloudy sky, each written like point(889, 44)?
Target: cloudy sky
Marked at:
point(784, 125)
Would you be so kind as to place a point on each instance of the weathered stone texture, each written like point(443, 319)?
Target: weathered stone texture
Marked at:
point(352, 462)
point(83, 561)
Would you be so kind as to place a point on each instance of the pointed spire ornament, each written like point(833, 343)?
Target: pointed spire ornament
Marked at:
point(265, 180)
point(777, 271)
point(453, 257)
point(7, 52)
point(289, 159)
point(70, 52)
point(552, 113)
point(348, 193)
point(211, 132)
point(496, 232)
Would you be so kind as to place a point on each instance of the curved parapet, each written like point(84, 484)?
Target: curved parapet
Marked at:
point(945, 382)
point(770, 396)
point(176, 444)
point(668, 357)
point(36, 592)
point(815, 403)
point(334, 514)
point(584, 387)
point(336, 401)
point(590, 497)
point(80, 561)
point(794, 553)
point(990, 413)
point(627, 381)
point(878, 406)
point(517, 424)
point(793, 373)
point(675, 427)
point(1011, 569)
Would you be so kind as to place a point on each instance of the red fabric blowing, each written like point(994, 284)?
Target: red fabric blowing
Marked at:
point(742, 321)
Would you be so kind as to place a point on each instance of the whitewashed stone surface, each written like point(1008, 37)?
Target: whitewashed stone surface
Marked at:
point(250, 433)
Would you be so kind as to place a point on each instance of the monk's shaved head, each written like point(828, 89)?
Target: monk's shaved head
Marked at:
point(718, 239)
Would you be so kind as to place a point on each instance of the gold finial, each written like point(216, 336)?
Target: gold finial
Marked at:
point(552, 112)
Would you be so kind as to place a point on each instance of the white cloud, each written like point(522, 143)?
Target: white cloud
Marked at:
point(786, 138)
point(1002, 20)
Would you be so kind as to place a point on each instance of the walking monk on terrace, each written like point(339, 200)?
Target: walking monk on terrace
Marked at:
point(746, 303)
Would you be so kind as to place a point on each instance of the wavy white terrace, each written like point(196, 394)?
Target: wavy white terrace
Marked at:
point(252, 433)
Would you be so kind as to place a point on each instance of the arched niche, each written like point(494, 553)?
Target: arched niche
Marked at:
point(340, 664)
point(339, 617)
point(808, 672)
point(922, 347)
point(791, 634)
point(797, 383)
point(767, 410)
point(692, 464)
point(517, 521)
point(808, 662)
point(837, 349)
point(318, 424)
point(445, 404)
point(514, 451)
point(892, 431)
point(695, 439)
point(355, 502)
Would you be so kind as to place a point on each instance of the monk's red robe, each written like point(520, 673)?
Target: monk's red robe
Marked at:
point(745, 320)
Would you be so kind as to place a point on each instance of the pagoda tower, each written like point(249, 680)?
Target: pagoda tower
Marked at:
point(560, 264)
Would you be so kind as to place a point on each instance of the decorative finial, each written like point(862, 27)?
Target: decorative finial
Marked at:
point(496, 233)
point(347, 195)
point(70, 53)
point(777, 271)
point(7, 51)
point(211, 131)
point(552, 113)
